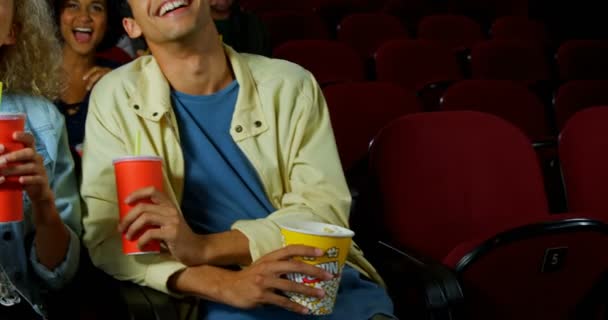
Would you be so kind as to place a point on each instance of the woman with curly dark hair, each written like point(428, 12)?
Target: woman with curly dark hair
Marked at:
point(86, 27)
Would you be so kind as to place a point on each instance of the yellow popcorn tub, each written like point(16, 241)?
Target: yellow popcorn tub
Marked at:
point(335, 242)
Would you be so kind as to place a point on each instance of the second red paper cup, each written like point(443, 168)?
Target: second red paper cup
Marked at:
point(133, 173)
point(11, 191)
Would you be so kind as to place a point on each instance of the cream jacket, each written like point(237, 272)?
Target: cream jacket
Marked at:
point(281, 123)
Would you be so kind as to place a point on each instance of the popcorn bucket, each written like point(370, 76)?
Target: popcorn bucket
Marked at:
point(335, 242)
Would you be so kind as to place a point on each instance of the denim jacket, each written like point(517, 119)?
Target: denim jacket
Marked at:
point(17, 252)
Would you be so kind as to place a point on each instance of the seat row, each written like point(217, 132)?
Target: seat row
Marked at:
point(421, 63)
point(360, 109)
point(484, 10)
point(365, 32)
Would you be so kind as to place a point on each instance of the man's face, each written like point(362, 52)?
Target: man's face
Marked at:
point(162, 21)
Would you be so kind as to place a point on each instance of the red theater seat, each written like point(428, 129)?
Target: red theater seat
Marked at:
point(506, 99)
point(462, 192)
point(329, 61)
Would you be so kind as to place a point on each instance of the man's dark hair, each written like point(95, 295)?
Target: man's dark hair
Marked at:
point(114, 29)
point(125, 9)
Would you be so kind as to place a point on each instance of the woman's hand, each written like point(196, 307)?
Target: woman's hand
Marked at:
point(93, 75)
point(28, 165)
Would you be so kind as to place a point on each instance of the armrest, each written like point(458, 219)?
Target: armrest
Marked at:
point(148, 304)
point(427, 290)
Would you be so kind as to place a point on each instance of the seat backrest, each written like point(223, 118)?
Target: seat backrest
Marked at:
point(444, 177)
point(583, 151)
point(457, 32)
point(415, 64)
point(576, 95)
point(365, 32)
point(506, 99)
point(519, 28)
point(291, 25)
point(359, 110)
point(487, 10)
point(509, 60)
point(329, 61)
point(583, 60)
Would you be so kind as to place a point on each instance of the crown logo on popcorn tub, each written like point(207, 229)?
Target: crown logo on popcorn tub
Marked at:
point(333, 267)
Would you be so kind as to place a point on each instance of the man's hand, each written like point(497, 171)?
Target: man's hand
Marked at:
point(171, 228)
point(262, 282)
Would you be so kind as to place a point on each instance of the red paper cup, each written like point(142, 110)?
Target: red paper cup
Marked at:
point(11, 197)
point(133, 173)
point(11, 205)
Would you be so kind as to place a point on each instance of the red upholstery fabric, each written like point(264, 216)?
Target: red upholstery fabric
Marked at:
point(329, 61)
point(444, 177)
point(519, 28)
point(455, 31)
point(583, 60)
point(288, 25)
point(366, 32)
point(576, 95)
point(509, 60)
point(359, 110)
point(409, 12)
point(583, 150)
point(504, 98)
point(416, 63)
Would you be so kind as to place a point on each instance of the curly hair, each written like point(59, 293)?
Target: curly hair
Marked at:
point(114, 29)
point(32, 65)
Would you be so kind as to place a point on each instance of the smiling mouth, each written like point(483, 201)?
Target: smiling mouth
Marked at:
point(171, 6)
point(82, 34)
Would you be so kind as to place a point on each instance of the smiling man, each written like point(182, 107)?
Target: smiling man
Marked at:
point(247, 144)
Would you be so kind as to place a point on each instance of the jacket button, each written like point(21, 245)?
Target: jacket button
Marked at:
point(238, 129)
point(155, 114)
point(7, 236)
point(136, 107)
point(258, 124)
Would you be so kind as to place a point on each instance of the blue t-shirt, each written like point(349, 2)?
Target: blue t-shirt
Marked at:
point(221, 187)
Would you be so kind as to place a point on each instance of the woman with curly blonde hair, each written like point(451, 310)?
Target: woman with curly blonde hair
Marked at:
point(42, 251)
point(32, 64)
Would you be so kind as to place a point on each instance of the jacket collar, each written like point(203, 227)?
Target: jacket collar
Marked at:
point(151, 99)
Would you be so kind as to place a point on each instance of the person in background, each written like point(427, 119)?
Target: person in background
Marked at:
point(40, 253)
point(247, 144)
point(86, 27)
point(243, 31)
